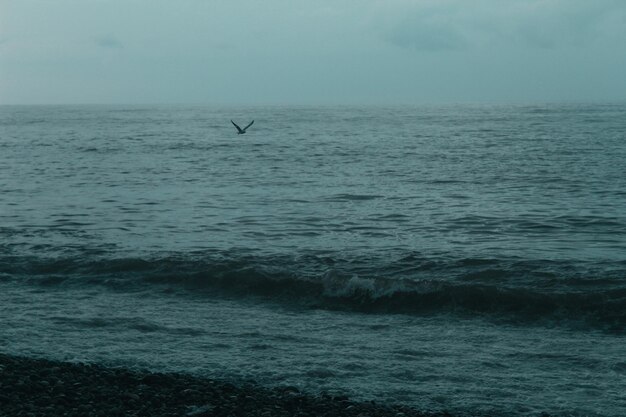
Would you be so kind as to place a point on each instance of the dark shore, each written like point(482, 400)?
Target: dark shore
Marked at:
point(36, 387)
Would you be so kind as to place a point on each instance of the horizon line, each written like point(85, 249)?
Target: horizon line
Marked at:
point(330, 104)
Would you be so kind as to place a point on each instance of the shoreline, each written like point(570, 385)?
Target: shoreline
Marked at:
point(41, 387)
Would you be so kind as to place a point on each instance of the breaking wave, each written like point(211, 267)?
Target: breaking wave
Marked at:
point(511, 290)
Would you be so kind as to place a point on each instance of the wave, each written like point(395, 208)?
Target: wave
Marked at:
point(517, 291)
point(124, 323)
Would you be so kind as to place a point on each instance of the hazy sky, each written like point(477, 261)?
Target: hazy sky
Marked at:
point(311, 52)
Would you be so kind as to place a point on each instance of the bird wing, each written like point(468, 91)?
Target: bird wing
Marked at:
point(238, 128)
point(249, 124)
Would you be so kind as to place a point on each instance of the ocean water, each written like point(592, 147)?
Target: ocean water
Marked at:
point(464, 258)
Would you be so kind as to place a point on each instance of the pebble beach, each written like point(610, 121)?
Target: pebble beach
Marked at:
point(37, 387)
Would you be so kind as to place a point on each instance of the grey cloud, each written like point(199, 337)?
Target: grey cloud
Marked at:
point(574, 24)
point(450, 25)
point(421, 35)
point(108, 42)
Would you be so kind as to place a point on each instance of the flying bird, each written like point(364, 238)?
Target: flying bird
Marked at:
point(241, 131)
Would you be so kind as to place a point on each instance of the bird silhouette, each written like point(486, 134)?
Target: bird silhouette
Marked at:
point(241, 131)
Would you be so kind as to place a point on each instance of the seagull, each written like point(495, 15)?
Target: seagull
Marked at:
point(241, 131)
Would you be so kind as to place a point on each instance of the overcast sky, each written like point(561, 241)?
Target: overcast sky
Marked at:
point(311, 52)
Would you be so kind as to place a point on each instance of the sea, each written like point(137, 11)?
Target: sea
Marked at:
point(463, 258)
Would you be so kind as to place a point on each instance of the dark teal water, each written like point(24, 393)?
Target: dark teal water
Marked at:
point(469, 258)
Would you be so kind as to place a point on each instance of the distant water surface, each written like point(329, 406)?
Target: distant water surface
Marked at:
point(467, 258)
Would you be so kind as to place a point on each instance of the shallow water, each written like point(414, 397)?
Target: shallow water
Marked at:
point(468, 258)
